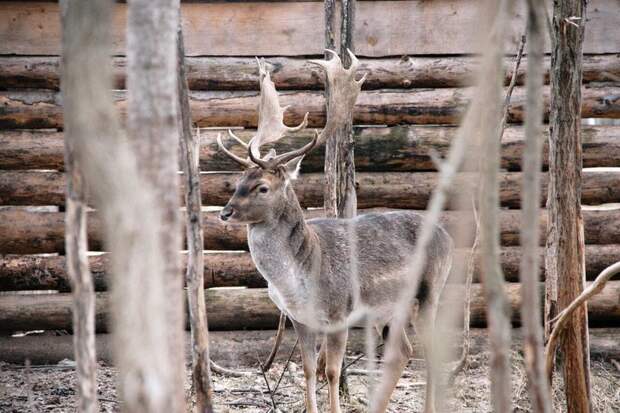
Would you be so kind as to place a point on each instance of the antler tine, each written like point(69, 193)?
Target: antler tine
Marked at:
point(299, 127)
point(238, 139)
point(285, 157)
point(241, 161)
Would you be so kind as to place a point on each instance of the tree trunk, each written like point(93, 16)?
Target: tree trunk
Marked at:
point(492, 277)
point(538, 385)
point(189, 149)
point(152, 123)
point(131, 213)
point(565, 243)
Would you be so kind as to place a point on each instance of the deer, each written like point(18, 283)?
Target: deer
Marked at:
point(322, 271)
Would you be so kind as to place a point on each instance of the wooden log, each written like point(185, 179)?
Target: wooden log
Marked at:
point(239, 309)
point(239, 349)
point(296, 28)
point(410, 190)
point(48, 272)
point(235, 269)
point(42, 109)
point(239, 73)
point(27, 232)
point(403, 148)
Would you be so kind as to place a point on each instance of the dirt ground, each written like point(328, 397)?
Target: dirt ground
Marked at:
point(52, 389)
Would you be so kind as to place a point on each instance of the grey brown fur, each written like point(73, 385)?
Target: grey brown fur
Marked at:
point(328, 273)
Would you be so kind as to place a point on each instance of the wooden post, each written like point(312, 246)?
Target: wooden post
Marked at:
point(492, 277)
point(530, 234)
point(189, 151)
point(340, 199)
point(565, 237)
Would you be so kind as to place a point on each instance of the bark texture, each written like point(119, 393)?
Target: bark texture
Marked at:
point(194, 275)
point(538, 385)
point(565, 235)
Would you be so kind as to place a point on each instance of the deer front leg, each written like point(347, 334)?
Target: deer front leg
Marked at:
point(336, 345)
point(307, 341)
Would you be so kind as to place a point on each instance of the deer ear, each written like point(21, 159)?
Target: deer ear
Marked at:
point(292, 167)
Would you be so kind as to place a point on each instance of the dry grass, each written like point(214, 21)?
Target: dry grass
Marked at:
point(52, 389)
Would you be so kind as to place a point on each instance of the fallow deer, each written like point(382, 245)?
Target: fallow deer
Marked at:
point(321, 271)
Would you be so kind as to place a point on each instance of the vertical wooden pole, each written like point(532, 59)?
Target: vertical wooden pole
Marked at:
point(565, 269)
point(189, 145)
point(530, 210)
point(152, 125)
point(493, 279)
point(76, 247)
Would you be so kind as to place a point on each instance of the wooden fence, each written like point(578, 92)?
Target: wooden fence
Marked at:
point(419, 62)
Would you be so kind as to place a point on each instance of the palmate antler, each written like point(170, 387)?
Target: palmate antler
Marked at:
point(271, 128)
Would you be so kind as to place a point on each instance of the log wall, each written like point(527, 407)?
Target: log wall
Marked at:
point(414, 96)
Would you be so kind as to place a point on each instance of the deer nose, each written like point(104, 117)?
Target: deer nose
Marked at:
point(226, 213)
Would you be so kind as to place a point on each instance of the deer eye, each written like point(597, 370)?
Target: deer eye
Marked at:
point(263, 189)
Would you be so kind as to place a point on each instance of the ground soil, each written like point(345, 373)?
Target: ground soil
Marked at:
point(52, 388)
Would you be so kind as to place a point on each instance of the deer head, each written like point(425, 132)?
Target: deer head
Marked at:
point(264, 186)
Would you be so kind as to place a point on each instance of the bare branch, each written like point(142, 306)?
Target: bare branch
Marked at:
point(561, 321)
point(190, 151)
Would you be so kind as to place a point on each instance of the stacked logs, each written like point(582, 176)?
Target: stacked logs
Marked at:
point(408, 109)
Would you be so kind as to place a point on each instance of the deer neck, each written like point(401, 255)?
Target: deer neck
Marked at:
point(284, 248)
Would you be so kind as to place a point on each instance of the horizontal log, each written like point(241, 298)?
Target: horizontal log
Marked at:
point(236, 269)
point(26, 232)
point(240, 73)
point(382, 28)
point(42, 109)
point(239, 309)
point(48, 272)
point(410, 190)
point(239, 349)
point(394, 149)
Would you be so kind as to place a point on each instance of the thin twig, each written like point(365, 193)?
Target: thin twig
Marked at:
point(276, 344)
point(262, 372)
point(287, 362)
point(511, 86)
point(562, 318)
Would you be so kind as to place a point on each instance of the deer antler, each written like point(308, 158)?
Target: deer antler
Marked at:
point(343, 88)
point(271, 128)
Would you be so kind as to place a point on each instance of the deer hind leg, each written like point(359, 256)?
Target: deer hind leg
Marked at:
point(307, 341)
point(426, 335)
point(336, 345)
point(392, 370)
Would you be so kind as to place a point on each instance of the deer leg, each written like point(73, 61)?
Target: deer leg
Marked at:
point(320, 364)
point(426, 335)
point(307, 340)
point(392, 370)
point(336, 344)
